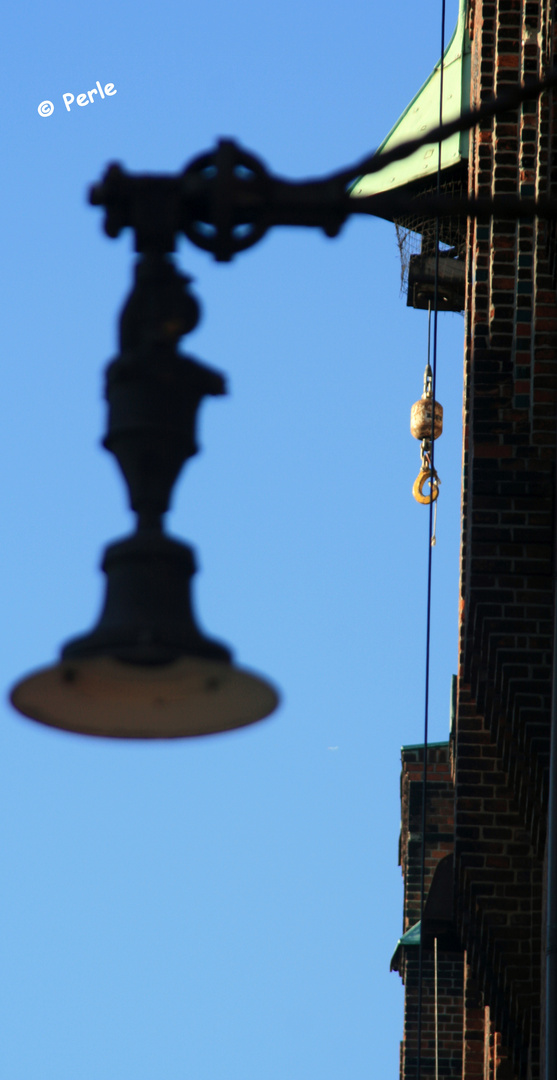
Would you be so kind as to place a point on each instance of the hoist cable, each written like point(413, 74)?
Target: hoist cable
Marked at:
point(429, 571)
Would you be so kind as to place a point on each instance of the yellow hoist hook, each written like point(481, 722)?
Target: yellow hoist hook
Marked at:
point(418, 487)
point(426, 419)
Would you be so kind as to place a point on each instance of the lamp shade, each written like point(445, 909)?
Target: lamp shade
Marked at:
point(145, 671)
point(103, 696)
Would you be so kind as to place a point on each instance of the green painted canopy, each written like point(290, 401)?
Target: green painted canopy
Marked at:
point(422, 114)
point(411, 937)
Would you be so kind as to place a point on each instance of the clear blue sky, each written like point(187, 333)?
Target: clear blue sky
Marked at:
point(222, 909)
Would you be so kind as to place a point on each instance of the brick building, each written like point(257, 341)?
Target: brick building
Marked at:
point(502, 733)
point(486, 852)
point(442, 958)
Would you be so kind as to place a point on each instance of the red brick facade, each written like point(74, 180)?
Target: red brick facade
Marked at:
point(500, 742)
point(447, 957)
point(510, 396)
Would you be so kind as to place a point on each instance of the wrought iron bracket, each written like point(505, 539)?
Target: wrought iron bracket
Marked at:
point(224, 202)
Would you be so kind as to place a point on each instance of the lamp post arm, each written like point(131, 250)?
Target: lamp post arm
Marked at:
point(225, 209)
point(226, 200)
point(394, 204)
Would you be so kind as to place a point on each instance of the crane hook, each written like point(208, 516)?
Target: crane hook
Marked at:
point(422, 478)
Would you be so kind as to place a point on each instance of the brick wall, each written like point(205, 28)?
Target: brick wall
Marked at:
point(439, 821)
point(487, 797)
point(442, 962)
point(502, 731)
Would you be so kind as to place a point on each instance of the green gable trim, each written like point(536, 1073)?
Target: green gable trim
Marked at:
point(411, 937)
point(422, 114)
point(420, 745)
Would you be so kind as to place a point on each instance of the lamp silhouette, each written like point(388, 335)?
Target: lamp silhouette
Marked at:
point(146, 670)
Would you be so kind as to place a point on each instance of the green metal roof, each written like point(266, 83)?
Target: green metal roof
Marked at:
point(422, 114)
point(420, 745)
point(411, 937)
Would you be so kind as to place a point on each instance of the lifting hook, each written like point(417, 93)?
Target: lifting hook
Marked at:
point(418, 487)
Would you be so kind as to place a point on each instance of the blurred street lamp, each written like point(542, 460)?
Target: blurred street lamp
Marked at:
point(146, 670)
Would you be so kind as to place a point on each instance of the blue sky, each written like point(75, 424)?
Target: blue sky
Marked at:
point(222, 909)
